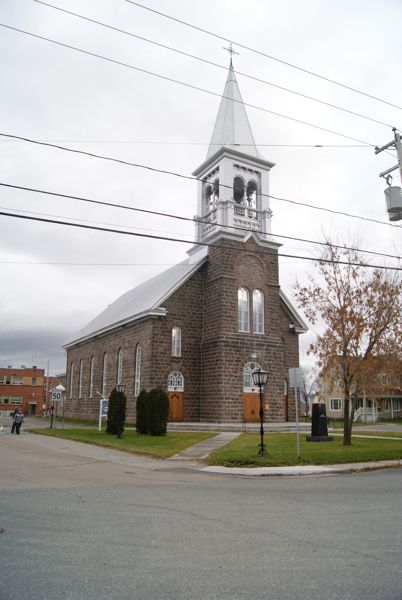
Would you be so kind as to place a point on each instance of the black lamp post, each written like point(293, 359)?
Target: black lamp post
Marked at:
point(260, 378)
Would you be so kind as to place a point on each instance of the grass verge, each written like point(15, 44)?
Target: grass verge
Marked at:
point(155, 447)
point(281, 447)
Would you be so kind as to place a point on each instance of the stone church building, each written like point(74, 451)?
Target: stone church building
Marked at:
point(200, 328)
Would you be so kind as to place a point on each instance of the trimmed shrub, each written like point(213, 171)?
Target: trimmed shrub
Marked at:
point(141, 408)
point(116, 414)
point(157, 412)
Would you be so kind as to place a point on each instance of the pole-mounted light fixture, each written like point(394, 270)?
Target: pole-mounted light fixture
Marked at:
point(260, 378)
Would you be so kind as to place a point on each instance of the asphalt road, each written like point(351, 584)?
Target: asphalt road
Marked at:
point(82, 523)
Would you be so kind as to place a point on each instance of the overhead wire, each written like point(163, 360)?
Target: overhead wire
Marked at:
point(209, 62)
point(191, 178)
point(181, 218)
point(264, 54)
point(185, 84)
point(196, 243)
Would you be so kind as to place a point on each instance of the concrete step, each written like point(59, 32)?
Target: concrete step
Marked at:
point(240, 427)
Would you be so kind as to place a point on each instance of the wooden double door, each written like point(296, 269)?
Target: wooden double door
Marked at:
point(251, 407)
point(176, 406)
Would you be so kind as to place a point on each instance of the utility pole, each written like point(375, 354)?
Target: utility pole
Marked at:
point(393, 196)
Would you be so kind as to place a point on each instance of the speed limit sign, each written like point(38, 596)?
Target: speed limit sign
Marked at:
point(56, 395)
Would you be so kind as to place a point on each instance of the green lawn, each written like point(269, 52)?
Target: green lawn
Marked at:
point(281, 449)
point(154, 446)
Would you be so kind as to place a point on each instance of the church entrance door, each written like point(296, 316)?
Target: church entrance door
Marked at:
point(176, 396)
point(251, 407)
point(251, 396)
point(176, 406)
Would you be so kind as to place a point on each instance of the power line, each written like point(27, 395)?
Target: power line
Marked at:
point(191, 178)
point(195, 243)
point(177, 217)
point(209, 62)
point(187, 85)
point(169, 143)
point(260, 53)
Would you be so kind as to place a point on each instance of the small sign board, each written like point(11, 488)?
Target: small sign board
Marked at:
point(103, 408)
point(56, 395)
point(295, 378)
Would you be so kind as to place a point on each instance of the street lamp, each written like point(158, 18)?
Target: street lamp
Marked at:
point(260, 378)
point(120, 387)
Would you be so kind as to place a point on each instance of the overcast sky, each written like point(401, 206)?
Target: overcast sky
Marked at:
point(54, 278)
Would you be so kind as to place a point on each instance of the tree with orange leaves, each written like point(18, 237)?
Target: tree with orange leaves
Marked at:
point(361, 308)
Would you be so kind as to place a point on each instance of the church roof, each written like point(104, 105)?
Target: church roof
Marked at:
point(142, 301)
point(232, 128)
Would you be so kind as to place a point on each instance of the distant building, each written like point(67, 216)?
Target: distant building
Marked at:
point(22, 388)
point(199, 329)
point(27, 388)
point(387, 403)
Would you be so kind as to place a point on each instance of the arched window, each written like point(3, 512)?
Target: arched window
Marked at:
point(248, 385)
point(137, 378)
point(104, 375)
point(216, 191)
point(208, 196)
point(243, 309)
point(80, 379)
point(238, 190)
point(71, 379)
point(176, 341)
point(120, 367)
point(91, 377)
point(175, 382)
point(251, 194)
point(258, 311)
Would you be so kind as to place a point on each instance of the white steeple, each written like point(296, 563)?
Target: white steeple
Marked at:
point(233, 192)
point(232, 128)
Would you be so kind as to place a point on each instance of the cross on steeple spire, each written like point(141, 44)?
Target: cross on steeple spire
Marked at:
point(231, 52)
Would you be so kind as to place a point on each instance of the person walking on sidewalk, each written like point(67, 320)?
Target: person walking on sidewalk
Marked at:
point(17, 421)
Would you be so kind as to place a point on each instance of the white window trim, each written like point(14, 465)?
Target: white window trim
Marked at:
point(137, 378)
point(176, 341)
point(91, 378)
point(247, 374)
point(331, 405)
point(80, 379)
point(258, 314)
point(175, 382)
point(104, 375)
point(240, 320)
point(120, 367)
point(71, 379)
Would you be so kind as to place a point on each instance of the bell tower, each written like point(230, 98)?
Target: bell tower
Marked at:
point(233, 192)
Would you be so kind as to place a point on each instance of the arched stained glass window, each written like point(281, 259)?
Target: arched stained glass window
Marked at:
point(80, 379)
point(91, 377)
point(104, 375)
point(175, 382)
point(248, 385)
point(71, 379)
point(120, 367)
point(243, 309)
point(176, 341)
point(258, 311)
point(137, 378)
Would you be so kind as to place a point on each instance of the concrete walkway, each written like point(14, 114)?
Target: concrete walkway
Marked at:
point(203, 449)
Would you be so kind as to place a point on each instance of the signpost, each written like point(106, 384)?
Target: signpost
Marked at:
point(56, 395)
point(103, 408)
point(295, 381)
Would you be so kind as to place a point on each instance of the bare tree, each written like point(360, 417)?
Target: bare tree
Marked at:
point(308, 386)
point(361, 308)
